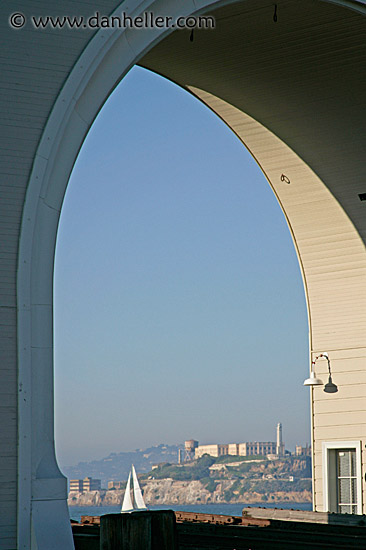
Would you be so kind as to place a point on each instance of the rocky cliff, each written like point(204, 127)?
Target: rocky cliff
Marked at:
point(168, 491)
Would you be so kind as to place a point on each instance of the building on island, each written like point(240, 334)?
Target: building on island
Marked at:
point(76, 485)
point(85, 485)
point(116, 484)
point(212, 450)
point(90, 484)
point(303, 451)
point(255, 448)
point(249, 448)
point(233, 449)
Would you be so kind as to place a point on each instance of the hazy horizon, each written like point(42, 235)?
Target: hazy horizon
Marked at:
point(179, 303)
point(177, 444)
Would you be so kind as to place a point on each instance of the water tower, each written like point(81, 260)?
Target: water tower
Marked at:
point(189, 448)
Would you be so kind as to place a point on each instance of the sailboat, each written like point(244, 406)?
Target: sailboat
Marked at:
point(137, 503)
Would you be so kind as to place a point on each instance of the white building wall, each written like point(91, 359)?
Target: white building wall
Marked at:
point(333, 259)
point(330, 250)
point(212, 450)
point(233, 449)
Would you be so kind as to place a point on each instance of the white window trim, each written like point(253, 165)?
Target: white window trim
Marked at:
point(330, 445)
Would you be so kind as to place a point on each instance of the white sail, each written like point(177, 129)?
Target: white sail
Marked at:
point(139, 499)
point(127, 505)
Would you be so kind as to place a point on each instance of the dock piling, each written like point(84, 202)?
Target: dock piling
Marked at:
point(150, 530)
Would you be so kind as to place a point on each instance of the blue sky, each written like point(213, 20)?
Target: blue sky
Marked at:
point(179, 304)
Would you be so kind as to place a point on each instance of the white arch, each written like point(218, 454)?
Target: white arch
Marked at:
point(41, 487)
point(108, 57)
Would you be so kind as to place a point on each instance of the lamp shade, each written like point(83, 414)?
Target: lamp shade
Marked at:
point(330, 387)
point(313, 380)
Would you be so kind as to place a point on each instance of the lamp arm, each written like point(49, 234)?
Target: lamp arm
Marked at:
point(326, 356)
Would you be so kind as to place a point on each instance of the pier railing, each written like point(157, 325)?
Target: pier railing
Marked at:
point(259, 529)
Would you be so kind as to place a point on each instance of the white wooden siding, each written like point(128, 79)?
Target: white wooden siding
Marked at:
point(33, 67)
point(264, 69)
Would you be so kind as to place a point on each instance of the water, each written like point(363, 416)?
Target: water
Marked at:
point(227, 509)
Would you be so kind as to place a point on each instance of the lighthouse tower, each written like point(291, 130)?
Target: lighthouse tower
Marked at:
point(280, 447)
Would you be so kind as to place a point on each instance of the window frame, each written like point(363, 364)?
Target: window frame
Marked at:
point(330, 501)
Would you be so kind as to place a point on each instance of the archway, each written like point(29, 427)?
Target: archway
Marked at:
point(323, 72)
point(175, 280)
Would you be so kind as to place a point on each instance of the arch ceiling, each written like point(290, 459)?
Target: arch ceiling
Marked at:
point(294, 91)
point(299, 77)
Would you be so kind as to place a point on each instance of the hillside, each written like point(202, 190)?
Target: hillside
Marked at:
point(116, 466)
point(210, 480)
point(239, 476)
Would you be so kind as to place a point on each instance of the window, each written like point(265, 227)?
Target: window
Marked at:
point(347, 481)
point(342, 477)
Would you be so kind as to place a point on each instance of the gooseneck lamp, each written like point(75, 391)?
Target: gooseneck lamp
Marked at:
point(329, 387)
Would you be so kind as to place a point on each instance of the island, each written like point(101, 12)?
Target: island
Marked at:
point(212, 480)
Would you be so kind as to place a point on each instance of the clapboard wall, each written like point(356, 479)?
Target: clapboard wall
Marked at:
point(34, 66)
point(302, 78)
point(333, 263)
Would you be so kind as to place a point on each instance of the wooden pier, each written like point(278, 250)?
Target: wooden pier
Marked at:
point(167, 530)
